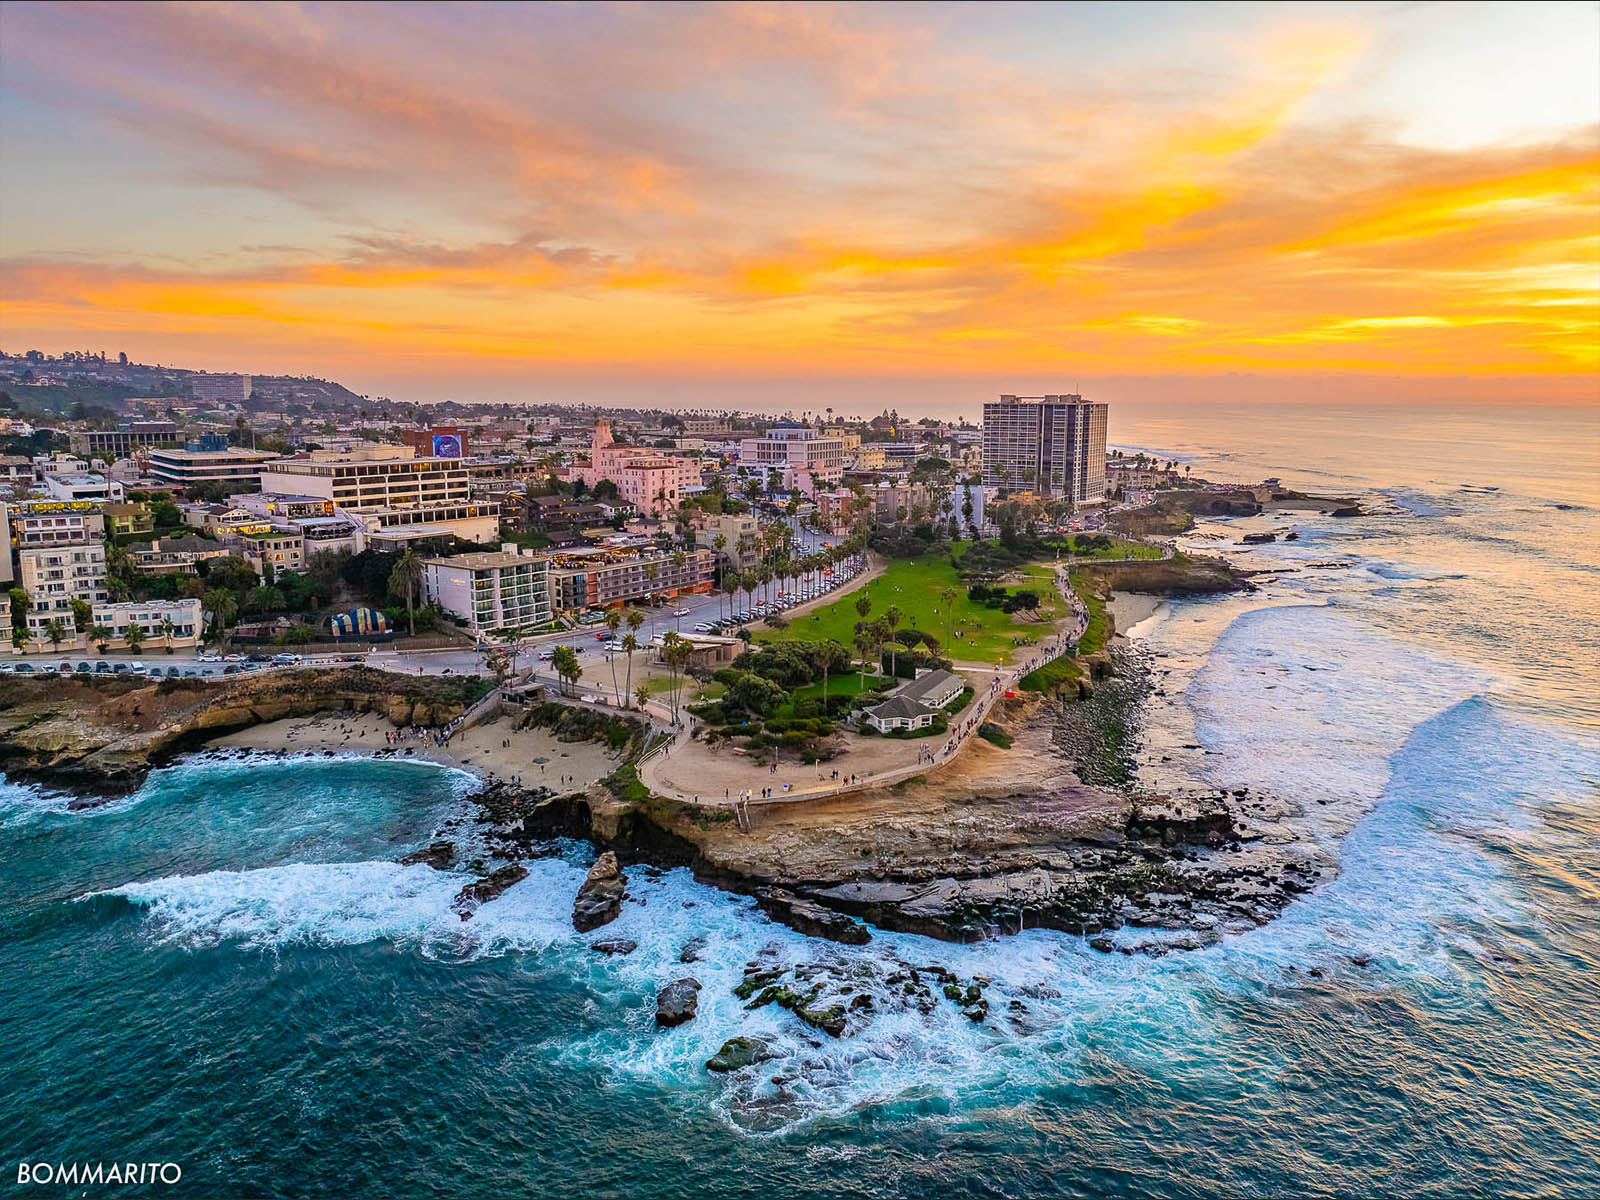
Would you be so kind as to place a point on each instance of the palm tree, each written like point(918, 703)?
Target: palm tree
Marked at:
point(863, 643)
point(405, 579)
point(168, 628)
point(55, 633)
point(630, 643)
point(891, 618)
point(830, 655)
point(642, 694)
point(613, 623)
point(222, 607)
point(101, 636)
point(863, 605)
point(719, 544)
point(948, 598)
point(133, 635)
point(565, 661)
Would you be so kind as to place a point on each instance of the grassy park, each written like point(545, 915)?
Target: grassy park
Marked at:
point(918, 588)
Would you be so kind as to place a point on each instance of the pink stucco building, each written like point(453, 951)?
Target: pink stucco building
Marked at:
point(649, 480)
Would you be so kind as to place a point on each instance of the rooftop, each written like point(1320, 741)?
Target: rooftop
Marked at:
point(484, 560)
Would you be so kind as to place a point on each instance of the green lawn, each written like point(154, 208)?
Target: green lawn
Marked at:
point(967, 631)
point(1121, 548)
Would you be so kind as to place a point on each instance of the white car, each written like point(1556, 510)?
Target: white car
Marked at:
point(680, 612)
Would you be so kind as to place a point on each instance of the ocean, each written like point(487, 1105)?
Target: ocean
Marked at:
point(229, 971)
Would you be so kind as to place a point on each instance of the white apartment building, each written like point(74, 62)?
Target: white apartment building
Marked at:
point(151, 616)
point(220, 389)
point(390, 493)
point(234, 466)
point(55, 576)
point(490, 590)
point(1052, 445)
point(53, 522)
point(806, 460)
point(84, 486)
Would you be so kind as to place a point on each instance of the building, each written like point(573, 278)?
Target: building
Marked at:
point(604, 576)
point(151, 617)
point(390, 494)
point(174, 556)
point(742, 538)
point(85, 486)
point(373, 476)
point(441, 441)
point(55, 576)
point(491, 590)
point(54, 522)
point(916, 704)
point(220, 389)
point(121, 443)
point(805, 460)
point(838, 509)
point(893, 502)
point(652, 482)
point(209, 459)
point(283, 549)
point(124, 519)
point(1053, 445)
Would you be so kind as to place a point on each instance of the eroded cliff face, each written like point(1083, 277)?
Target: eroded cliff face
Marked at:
point(1001, 840)
point(102, 735)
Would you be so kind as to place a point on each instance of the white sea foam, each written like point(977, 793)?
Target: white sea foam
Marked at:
point(310, 903)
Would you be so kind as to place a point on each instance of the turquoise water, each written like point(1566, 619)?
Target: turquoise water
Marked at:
point(227, 970)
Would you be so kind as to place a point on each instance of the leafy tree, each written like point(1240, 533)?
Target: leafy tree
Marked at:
point(20, 604)
point(82, 614)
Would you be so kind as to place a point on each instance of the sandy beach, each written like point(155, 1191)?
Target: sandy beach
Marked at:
point(493, 751)
point(1128, 609)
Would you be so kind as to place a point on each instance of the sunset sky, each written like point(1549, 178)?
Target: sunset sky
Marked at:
point(482, 202)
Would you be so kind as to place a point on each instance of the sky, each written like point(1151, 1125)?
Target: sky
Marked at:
point(699, 205)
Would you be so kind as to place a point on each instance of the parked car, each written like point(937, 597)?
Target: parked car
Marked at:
point(84, 667)
point(680, 612)
point(102, 668)
point(231, 669)
point(173, 672)
point(24, 668)
point(258, 658)
point(284, 660)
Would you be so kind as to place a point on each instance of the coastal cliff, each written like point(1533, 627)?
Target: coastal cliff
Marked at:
point(100, 735)
point(1004, 839)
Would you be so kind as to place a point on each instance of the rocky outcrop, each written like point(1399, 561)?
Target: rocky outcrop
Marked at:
point(103, 734)
point(677, 1002)
point(738, 1053)
point(615, 947)
point(810, 918)
point(1259, 539)
point(599, 899)
point(471, 897)
point(1180, 575)
point(437, 855)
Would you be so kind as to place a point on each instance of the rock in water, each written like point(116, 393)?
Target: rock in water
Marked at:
point(437, 856)
point(486, 889)
point(692, 950)
point(615, 946)
point(677, 1002)
point(599, 900)
point(739, 1052)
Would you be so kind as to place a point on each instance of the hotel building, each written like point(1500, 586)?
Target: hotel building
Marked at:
point(649, 480)
point(491, 590)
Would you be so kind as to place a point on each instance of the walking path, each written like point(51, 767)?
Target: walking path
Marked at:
point(728, 773)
